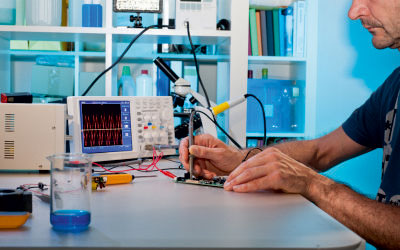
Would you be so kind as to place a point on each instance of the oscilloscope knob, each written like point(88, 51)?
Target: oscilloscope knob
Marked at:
point(163, 134)
point(147, 136)
point(155, 135)
point(165, 114)
point(147, 118)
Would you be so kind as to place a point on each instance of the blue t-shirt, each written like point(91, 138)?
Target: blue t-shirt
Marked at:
point(376, 124)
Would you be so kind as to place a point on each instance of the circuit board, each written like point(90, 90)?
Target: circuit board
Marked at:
point(214, 182)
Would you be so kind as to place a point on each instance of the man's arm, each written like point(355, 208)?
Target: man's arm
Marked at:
point(325, 152)
point(376, 222)
point(284, 167)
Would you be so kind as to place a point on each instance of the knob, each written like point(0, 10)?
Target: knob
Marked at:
point(165, 114)
point(155, 134)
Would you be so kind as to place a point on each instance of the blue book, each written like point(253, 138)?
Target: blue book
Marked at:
point(282, 24)
point(270, 32)
point(288, 34)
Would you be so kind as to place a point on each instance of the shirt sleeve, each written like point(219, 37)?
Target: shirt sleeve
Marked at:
point(366, 124)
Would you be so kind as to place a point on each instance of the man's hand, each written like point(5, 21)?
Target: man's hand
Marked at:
point(212, 156)
point(271, 169)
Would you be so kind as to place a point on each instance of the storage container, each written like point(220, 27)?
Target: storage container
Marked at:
point(7, 12)
point(43, 12)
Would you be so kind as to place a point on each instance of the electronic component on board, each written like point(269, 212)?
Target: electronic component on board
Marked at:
point(217, 181)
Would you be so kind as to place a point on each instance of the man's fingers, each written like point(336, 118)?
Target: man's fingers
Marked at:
point(206, 152)
point(248, 175)
point(268, 156)
point(252, 186)
point(184, 152)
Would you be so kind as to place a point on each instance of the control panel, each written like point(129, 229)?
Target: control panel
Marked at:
point(154, 121)
point(117, 128)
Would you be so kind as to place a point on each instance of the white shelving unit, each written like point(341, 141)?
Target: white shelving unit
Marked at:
point(297, 68)
point(236, 58)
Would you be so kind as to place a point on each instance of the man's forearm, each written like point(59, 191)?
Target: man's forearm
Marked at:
point(305, 152)
point(375, 222)
point(324, 152)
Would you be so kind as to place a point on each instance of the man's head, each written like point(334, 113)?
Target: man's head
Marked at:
point(381, 18)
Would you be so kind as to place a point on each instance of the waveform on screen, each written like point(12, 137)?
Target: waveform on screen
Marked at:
point(101, 125)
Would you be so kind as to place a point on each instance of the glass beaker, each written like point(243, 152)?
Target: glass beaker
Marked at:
point(71, 187)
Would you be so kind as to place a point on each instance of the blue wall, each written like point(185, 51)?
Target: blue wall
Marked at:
point(349, 70)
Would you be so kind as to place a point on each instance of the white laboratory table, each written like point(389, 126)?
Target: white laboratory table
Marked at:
point(156, 213)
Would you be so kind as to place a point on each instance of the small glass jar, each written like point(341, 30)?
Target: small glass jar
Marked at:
point(70, 189)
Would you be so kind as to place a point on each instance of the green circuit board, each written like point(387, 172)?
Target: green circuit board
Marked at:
point(215, 182)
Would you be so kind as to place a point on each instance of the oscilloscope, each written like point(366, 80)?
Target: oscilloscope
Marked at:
point(117, 128)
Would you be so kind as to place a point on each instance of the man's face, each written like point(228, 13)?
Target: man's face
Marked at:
point(381, 18)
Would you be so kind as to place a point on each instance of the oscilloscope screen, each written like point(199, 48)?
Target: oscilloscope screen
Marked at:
point(101, 125)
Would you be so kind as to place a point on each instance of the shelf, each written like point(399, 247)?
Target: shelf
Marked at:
point(179, 57)
point(84, 34)
point(205, 37)
point(29, 53)
point(53, 33)
point(291, 135)
point(276, 59)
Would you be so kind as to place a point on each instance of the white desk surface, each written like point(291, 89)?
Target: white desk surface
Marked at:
point(155, 213)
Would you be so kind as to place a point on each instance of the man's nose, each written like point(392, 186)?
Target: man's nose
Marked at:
point(358, 8)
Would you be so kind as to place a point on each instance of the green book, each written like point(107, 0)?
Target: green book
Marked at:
point(275, 14)
point(253, 32)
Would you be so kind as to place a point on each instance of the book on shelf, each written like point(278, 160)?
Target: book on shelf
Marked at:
point(270, 33)
point(288, 14)
point(258, 23)
point(282, 49)
point(269, 4)
point(249, 44)
point(278, 32)
point(253, 32)
point(275, 20)
point(299, 19)
point(264, 36)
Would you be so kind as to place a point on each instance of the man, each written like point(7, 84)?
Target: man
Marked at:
point(292, 167)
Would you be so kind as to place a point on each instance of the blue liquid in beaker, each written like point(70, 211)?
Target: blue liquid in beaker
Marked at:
point(70, 220)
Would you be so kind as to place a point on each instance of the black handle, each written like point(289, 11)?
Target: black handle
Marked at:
point(166, 69)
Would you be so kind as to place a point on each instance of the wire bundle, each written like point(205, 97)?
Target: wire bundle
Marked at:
point(143, 167)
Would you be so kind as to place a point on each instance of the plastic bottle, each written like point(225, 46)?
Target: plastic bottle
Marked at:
point(264, 73)
point(250, 74)
point(92, 13)
point(43, 12)
point(126, 85)
point(7, 12)
point(144, 84)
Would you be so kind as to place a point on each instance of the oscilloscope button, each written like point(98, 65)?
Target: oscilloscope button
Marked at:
point(155, 135)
